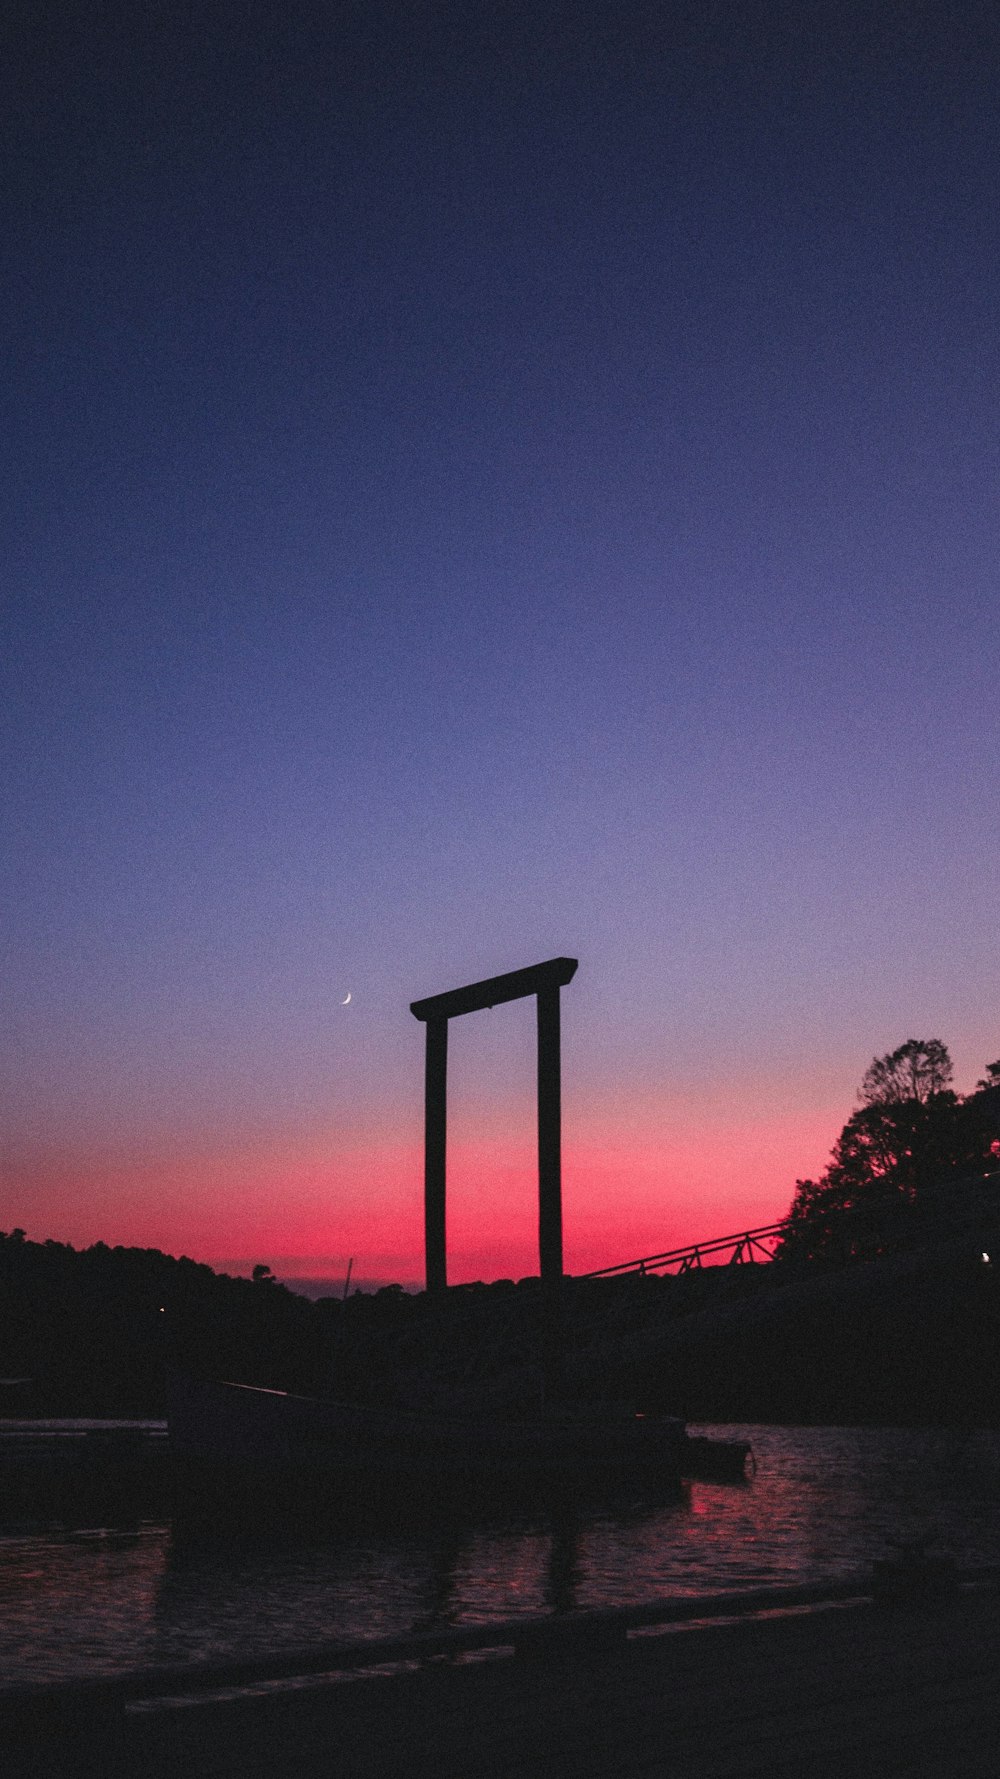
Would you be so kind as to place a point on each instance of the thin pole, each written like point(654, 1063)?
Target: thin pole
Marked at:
point(435, 1145)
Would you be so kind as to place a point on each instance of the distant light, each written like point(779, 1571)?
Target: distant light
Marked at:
point(163, 1311)
point(985, 1259)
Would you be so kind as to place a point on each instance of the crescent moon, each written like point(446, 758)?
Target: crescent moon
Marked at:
point(345, 1000)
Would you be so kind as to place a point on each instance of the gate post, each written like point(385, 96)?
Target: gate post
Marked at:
point(550, 1259)
point(435, 1153)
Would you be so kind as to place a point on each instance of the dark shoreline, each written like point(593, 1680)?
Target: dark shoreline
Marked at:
point(892, 1341)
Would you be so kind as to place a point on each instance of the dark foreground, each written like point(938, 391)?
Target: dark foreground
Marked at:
point(854, 1690)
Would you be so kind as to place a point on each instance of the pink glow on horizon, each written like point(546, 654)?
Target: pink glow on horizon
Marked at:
point(624, 1194)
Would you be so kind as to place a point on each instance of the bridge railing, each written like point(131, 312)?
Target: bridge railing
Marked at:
point(746, 1245)
point(953, 1208)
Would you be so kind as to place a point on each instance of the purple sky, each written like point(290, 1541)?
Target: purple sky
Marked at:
point(483, 484)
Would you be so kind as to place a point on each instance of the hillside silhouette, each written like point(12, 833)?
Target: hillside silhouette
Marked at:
point(882, 1304)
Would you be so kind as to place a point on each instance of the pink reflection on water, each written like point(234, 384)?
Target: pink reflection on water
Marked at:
point(823, 1503)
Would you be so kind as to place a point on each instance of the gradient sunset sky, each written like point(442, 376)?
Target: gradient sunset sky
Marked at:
point(482, 483)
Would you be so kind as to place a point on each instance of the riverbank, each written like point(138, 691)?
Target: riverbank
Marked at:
point(850, 1690)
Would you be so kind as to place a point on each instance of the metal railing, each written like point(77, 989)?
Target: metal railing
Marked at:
point(747, 1245)
point(951, 1208)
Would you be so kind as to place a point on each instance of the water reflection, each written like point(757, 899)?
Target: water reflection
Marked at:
point(824, 1503)
point(564, 1571)
point(73, 1603)
point(441, 1607)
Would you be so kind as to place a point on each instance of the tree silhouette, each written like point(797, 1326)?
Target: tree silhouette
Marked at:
point(910, 1135)
point(918, 1070)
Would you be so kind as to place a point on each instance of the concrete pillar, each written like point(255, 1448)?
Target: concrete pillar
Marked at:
point(435, 1147)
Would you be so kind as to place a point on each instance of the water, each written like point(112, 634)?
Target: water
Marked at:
point(823, 1503)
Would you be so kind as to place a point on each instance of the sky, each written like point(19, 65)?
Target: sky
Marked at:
point(479, 485)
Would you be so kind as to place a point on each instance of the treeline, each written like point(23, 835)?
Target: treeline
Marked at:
point(904, 1161)
point(912, 1338)
point(91, 1331)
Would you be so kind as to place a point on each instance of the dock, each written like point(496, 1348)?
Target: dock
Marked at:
point(801, 1690)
